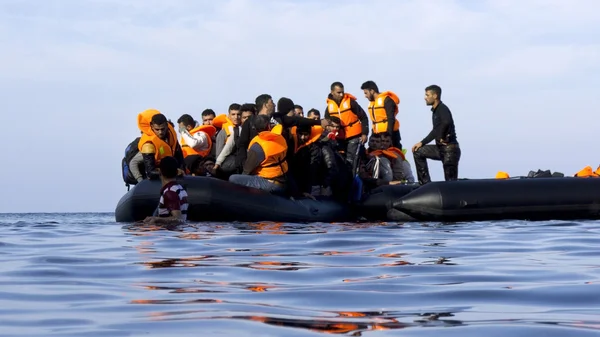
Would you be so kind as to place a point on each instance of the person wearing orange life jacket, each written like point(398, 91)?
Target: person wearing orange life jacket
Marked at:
point(158, 141)
point(196, 140)
point(587, 172)
point(354, 120)
point(225, 162)
point(383, 109)
point(401, 169)
point(208, 115)
point(229, 127)
point(266, 164)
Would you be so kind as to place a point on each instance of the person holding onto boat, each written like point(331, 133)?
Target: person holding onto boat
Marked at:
point(446, 148)
point(383, 109)
point(158, 141)
point(266, 165)
point(354, 120)
point(173, 202)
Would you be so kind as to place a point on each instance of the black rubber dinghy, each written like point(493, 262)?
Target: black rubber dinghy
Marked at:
point(377, 204)
point(212, 199)
point(556, 198)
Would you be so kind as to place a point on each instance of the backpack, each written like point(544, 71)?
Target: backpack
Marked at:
point(130, 151)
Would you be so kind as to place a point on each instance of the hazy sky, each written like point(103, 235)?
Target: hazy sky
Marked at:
point(521, 78)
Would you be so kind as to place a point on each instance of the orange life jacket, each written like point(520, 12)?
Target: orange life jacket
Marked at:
point(397, 151)
point(188, 151)
point(378, 115)
point(315, 133)
point(587, 172)
point(502, 175)
point(391, 155)
point(219, 120)
point(163, 148)
point(275, 148)
point(278, 129)
point(348, 118)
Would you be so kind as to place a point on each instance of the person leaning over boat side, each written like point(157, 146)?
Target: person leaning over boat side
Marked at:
point(446, 146)
point(266, 166)
point(225, 163)
point(233, 121)
point(173, 202)
point(207, 116)
point(158, 141)
point(383, 109)
point(355, 122)
point(314, 114)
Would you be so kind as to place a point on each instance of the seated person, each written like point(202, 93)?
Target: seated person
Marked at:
point(195, 138)
point(225, 164)
point(158, 141)
point(208, 115)
point(265, 167)
point(314, 114)
point(401, 169)
point(377, 168)
point(173, 202)
point(230, 126)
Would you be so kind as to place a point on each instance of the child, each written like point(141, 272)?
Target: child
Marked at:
point(173, 204)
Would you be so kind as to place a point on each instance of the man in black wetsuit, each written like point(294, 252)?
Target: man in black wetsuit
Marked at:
point(446, 147)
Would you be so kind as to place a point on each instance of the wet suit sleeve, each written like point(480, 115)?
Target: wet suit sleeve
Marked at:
point(150, 166)
point(256, 155)
point(243, 142)
point(362, 116)
point(290, 121)
point(179, 156)
point(330, 164)
point(441, 123)
point(390, 110)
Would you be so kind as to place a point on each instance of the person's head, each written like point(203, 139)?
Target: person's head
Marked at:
point(235, 115)
point(433, 94)
point(208, 164)
point(337, 91)
point(334, 124)
point(264, 104)
point(285, 106)
point(370, 90)
point(314, 114)
point(159, 125)
point(303, 133)
point(207, 116)
point(385, 140)
point(375, 142)
point(168, 168)
point(247, 110)
point(262, 123)
point(186, 121)
point(298, 110)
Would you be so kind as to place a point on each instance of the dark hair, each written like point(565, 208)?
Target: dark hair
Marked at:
point(436, 90)
point(297, 106)
point(336, 84)
point(251, 107)
point(168, 167)
point(262, 123)
point(285, 105)
point(158, 119)
point(234, 106)
point(262, 100)
point(208, 112)
point(369, 85)
point(335, 120)
point(186, 120)
point(314, 111)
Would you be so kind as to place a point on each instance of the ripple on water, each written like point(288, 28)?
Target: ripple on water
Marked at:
point(80, 275)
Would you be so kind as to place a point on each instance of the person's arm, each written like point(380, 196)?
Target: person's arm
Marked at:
point(290, 121)
point(326, 113)
point(398, 170)
point(362, 116)
point(226, 151)
point(243, 142)
point(169, 200)
point(445, 119)
point(197, 141)
point(256, 155)
point(390, 113)
point(330, 163)
point(179, 156)
point(220, 141)
point(134, 167)
point(148, 153)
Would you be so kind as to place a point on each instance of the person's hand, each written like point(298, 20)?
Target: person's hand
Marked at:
point(395, 182)
point(417, 146)
point(180, 172)
point(308, 195)
point(363, 139)
point(443, 142)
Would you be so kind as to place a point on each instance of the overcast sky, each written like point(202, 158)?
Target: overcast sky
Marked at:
point(520, 77)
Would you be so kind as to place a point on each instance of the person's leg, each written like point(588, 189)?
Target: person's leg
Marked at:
point(450, 157)
point(255, 182)
point(396, 139)
point(420, 156)
point(351, 147)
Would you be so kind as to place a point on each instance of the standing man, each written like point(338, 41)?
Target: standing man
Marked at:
point(354, 120)
point(383, 109)
point(446, 146)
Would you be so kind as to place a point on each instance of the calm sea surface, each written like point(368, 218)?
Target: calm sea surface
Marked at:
point(85, 275)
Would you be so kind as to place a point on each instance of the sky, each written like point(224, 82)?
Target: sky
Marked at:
point(520, 77)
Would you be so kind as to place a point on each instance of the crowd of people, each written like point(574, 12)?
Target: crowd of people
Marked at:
point(279, 149)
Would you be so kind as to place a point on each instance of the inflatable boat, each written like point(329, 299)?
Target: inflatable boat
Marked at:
point(554, 198)
point(212, 199)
